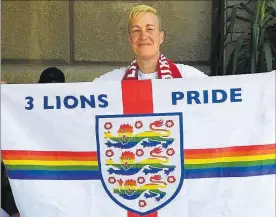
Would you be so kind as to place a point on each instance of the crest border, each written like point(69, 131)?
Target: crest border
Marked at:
point(98, 117)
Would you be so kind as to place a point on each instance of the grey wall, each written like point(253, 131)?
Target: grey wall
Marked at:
point(40, 30)
point(93, 31)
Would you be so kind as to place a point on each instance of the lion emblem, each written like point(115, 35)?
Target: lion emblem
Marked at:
point(126, 139)
point(141, 159)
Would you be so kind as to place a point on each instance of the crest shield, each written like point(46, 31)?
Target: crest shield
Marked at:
point(140, 159)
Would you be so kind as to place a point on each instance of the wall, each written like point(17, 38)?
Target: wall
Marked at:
point(59, 32)
point(35, 30)
point(40, 30)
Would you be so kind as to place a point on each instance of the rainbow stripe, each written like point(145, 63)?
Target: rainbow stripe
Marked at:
point(238, 161)
point(51, 165)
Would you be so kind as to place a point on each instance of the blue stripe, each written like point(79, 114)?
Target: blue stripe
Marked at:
point(54, 175)
point(189, 173)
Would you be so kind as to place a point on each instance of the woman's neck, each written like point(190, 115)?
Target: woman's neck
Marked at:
point(149, 65)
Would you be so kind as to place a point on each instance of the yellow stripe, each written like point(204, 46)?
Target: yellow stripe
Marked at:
point(130, 135)
point(149, 134)
point(120, 135)
point(128, 188)
point(152, 186)
point(154, 161)
point(52, 163)
point(230, 159)
point(145, 187)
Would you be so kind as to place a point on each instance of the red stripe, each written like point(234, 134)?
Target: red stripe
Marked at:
point(130, 214)
point(137, 99)
point(233, 149)
point(48, 155)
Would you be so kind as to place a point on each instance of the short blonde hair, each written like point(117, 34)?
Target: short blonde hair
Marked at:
point(141, 9)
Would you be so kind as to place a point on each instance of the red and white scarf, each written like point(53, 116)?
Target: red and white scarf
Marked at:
point(166, 69)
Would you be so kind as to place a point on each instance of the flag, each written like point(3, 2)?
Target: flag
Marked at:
point(197, 147)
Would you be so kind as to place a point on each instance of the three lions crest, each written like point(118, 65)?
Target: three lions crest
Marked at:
point(141, 159)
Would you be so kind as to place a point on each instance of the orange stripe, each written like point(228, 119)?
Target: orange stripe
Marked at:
point(234, 151)
point(50, 158)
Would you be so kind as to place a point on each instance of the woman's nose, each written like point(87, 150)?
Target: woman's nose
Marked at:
point(144, 35)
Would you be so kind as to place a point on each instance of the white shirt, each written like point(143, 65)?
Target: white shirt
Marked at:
point(147, 76)
point(118, 74)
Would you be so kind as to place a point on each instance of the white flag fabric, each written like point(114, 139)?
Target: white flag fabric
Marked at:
point(193, 148)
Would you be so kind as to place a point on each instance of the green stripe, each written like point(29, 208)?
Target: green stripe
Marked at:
point(43, 167)
point(230, 164)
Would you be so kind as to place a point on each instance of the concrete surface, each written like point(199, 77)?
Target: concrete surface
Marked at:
point(40, 30)
point(35, 30)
